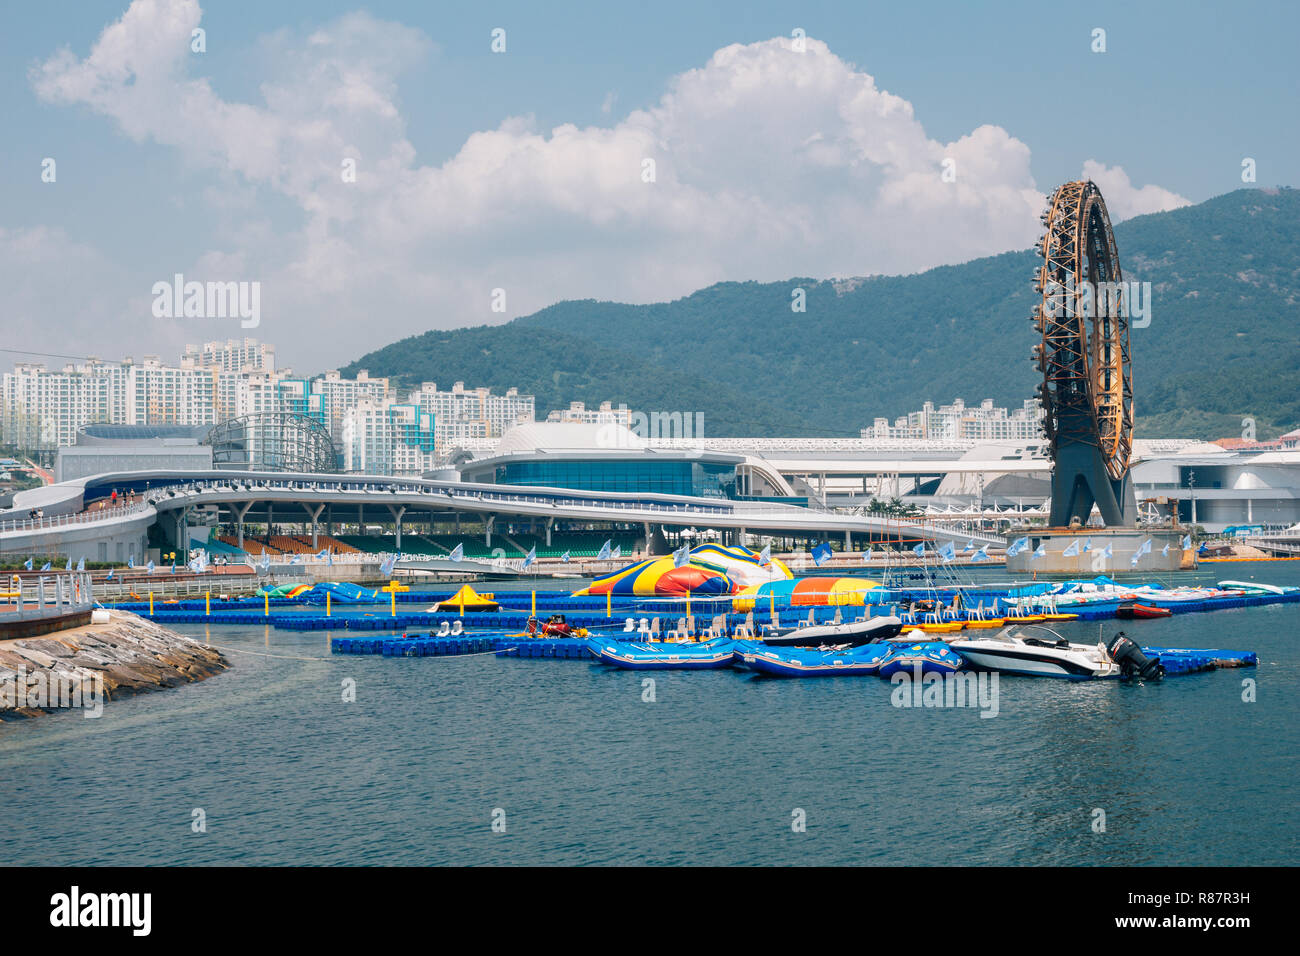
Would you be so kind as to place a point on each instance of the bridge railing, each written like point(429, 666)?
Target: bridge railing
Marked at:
point(15, 525)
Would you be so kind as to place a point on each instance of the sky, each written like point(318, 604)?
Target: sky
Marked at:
point(379, 170)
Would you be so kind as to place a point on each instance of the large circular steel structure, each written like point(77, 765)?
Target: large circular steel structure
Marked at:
point(273, 441)
point(1087, 390)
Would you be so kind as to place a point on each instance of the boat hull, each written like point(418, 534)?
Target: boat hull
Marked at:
point(863, 661)
point(1079, 662)
point(646, 657)
point(854, 634)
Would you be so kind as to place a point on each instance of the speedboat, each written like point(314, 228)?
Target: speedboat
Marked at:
point(850, 633)
point(1009, 652)
point(1135, 609)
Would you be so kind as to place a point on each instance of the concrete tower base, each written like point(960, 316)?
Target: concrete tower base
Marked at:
point(1123, 542)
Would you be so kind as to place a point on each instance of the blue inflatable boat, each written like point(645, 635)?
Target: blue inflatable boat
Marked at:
point(860, 661)
point(662, 655)
point(933, 657)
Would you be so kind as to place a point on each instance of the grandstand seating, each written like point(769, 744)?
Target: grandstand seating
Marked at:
point(579, 544)
point(251, 545)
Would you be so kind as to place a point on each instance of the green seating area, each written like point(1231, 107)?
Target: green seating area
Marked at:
point(579, 544)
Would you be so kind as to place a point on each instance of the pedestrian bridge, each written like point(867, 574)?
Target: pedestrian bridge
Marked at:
point(71, 510)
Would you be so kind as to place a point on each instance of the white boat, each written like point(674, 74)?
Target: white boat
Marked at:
point(1010, 652)
point(850, 633)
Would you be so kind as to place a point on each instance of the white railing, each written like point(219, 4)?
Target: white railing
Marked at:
point(48, 595)
point(113, 512)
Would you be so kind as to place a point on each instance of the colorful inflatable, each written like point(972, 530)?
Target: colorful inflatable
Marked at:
point(284, 590)
point(807, 592)
point(711, 570)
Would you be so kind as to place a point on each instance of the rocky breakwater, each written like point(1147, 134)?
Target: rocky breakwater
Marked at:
point(82, 667)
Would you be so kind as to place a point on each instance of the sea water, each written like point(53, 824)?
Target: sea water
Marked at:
point(485, 760)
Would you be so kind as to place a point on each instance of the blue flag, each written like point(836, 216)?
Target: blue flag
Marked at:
point(1072, 551)
point(681, 555)
point(69, 565)
point(919, 550)
point(110, 575)
point(46, 566)
point(1187, 541)
point(981, 555)
point(28, 564)
point(948, 552)
point(457, 553)
point(1020, 544)
point(565, 557)
point(1040, 551)
point(605, 551)
point(618, 552)
point(821, 553)
point(766, 556)
point(81, 563)
point(531, 556)
point(149, 567)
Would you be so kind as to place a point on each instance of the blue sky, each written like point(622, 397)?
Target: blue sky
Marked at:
point(764, 171)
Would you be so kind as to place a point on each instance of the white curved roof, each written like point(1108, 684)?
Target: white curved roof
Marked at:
point(567, 436)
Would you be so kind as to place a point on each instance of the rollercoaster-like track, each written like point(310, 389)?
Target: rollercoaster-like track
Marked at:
point(1084, 355)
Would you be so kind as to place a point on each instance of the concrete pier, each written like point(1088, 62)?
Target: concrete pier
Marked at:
point(1123, 543)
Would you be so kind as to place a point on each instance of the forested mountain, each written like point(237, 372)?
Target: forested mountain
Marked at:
point(1223, 343)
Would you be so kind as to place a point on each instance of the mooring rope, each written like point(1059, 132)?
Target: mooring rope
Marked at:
point(332, 658)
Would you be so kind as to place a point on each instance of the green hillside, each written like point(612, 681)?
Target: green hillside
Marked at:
point(1223, 344)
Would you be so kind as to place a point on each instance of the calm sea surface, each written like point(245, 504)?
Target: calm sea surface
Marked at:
point(587, 772)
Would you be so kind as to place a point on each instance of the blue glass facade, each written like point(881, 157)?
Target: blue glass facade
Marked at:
point(646, 476)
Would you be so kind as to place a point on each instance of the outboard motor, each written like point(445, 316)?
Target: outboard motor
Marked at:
point(1132, 661)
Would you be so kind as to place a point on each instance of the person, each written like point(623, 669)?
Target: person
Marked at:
point(113, 498)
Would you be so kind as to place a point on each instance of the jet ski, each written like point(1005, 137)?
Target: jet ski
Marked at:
point(848, 634)
point(555, 626)
point(1010, 652)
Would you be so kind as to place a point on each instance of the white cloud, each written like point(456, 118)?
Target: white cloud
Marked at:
point(1123, 199)
point(769, 164)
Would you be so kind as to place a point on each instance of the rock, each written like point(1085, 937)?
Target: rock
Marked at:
point(128, 655)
